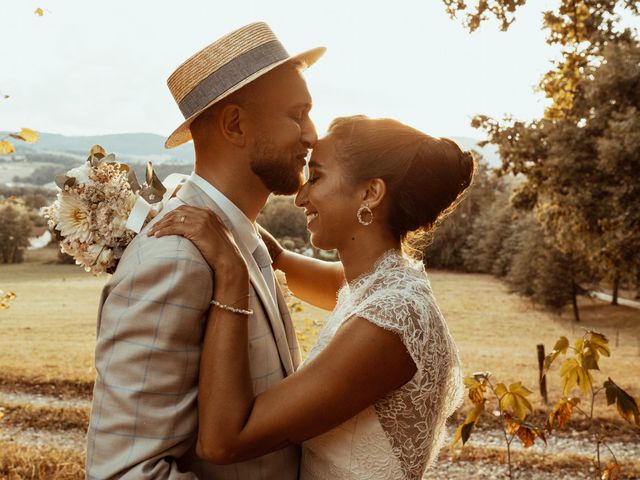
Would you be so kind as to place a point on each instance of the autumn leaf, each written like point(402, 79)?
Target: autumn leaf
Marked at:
point(560, 347)
point(527, 433)
point(6, 147)
point(38, 11)
point(562, 412)
point(5, 299)
point(476, 389)
point(598, 342)
point(464, 431)
point(612, 472)
point(626, 405)
point(574, 374)
point(515, 398)
point(27, 135)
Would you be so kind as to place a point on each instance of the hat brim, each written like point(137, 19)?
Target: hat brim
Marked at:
point(182, 134)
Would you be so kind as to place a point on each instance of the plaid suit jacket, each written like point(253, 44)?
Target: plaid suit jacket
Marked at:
point(144, 416)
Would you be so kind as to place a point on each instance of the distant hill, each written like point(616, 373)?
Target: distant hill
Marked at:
point(143, 147)
point(128, 147)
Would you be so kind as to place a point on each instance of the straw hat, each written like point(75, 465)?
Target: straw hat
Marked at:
point(225, 66)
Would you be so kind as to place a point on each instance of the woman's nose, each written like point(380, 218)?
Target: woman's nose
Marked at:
point(301, 196)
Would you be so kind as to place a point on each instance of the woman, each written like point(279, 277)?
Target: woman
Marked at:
point(372, 397)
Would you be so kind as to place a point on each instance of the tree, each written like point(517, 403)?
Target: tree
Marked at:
point(580, 27)
point(15, 230)
point(285, 221)
point(580, 161)
point(448, 240)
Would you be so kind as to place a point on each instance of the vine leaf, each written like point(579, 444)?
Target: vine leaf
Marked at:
point(515, 398)
point(476, 389)
point(527, 433)
point(626, 405)
point(561, 412)
point(612, 472)
point(464, 431)
point(574, 374)
point(560, 347)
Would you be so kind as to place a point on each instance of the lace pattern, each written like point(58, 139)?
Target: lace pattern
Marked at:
point(396, 295)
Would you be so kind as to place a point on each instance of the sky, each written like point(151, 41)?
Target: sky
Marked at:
point(95, 67)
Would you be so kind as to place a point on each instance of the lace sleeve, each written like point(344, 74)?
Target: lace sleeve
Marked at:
point(404, 311)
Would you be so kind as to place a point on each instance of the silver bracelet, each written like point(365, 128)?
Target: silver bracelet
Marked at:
point(231, 309)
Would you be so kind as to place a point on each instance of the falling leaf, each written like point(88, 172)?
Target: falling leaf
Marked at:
point(626, 405)
point(39, 12)
point(6, 147)
point(26, 135)
point(29, 135)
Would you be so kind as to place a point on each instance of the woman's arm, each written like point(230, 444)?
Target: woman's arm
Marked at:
point(315, 281)
point(362, 363)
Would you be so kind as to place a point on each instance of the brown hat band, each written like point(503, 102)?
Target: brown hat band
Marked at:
point(230, 75)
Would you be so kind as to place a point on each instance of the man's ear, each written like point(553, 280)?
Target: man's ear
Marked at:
point(231, 122)
point(374, 193)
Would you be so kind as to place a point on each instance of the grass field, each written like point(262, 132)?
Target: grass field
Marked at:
point(47, 339)
point(48, 333)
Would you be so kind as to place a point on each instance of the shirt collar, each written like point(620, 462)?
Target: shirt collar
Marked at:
point(243, 229)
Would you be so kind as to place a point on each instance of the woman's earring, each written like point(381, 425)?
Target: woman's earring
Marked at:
point(365, 209)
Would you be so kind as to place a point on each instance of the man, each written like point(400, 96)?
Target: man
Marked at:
point(246, 106)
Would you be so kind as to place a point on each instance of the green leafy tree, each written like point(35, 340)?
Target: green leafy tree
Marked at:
point(447, 242)
point(579, 163)
point(285, 221)
point(15, 230)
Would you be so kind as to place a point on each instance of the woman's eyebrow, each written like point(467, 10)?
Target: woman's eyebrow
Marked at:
point(315, 165)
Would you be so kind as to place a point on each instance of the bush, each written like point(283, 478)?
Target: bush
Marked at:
point(285, 221)
point(15, 230)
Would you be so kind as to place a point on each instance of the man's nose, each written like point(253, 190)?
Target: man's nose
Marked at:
point(309, 134)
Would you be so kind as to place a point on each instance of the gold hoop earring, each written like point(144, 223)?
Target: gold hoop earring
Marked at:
point(365, 209)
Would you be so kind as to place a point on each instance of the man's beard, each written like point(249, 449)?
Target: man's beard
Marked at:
point(277, 170)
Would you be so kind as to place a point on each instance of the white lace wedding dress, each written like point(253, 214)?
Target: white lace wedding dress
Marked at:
point(399, 436)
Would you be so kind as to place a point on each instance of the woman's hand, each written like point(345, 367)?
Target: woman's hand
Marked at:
point(207, 232)
point(274, 247)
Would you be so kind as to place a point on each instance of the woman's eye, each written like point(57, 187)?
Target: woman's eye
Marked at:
point(313, 179)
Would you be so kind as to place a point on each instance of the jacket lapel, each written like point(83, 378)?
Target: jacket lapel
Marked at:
point(191, 194)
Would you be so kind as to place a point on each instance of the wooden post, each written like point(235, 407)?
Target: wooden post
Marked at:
point(542, 379)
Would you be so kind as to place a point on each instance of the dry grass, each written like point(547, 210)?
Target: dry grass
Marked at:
point(48, 335)
point(563, 463)
point(498, 332)
point(21, 462)
point(49, 331)
point(48, 418)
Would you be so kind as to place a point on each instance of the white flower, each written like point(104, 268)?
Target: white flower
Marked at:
point(73, 218)
point(81, 173)
point(98, 258)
